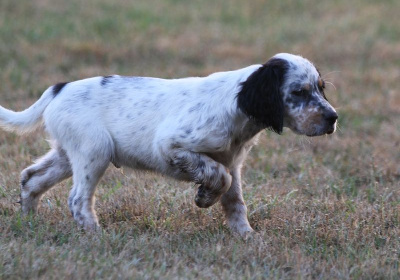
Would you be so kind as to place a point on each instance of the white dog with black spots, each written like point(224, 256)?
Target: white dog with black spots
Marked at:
point(192, 129)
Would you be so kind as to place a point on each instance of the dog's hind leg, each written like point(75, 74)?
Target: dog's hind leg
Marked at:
point(38, 178)
point(87, 171)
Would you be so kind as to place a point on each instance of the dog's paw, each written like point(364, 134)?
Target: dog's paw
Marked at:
point(205, 197)
point(245, 232)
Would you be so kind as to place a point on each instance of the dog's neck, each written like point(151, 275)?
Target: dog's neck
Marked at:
point(245, 128)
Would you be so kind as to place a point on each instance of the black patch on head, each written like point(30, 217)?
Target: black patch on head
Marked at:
point(58, 87)
point(260, 97)
point(106, 80)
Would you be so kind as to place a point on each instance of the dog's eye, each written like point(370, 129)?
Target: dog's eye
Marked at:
point(301, 92)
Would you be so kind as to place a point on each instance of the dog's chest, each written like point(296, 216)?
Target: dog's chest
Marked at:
point(236, 153)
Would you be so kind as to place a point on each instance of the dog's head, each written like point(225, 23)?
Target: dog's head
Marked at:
point(288, 91)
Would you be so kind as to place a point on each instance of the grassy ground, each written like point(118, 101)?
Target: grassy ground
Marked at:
point(325, 208)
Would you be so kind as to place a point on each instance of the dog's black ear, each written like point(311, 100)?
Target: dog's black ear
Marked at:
point(260, 97)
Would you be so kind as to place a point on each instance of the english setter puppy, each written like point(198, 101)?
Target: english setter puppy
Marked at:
point(192, 129)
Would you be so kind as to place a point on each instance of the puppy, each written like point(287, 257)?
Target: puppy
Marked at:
point(192, 129)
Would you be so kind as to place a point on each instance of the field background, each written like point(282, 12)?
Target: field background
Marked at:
point(322, 208)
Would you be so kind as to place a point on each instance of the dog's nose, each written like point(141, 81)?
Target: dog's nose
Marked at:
point(331, 117)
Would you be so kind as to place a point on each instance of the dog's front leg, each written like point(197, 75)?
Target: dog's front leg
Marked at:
point(213, 177)
point(234, 207)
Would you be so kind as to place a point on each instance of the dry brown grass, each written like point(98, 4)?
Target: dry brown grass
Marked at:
point(325, 208)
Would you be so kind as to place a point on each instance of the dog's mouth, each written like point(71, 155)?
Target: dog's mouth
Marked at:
point(320, 132)
point(331, 130)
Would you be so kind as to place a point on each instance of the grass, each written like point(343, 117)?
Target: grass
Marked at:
point(325, 208)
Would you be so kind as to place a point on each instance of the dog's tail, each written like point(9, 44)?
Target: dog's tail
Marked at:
point(29, 119)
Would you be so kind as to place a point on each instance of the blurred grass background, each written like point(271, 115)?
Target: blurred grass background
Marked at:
point(325, 207)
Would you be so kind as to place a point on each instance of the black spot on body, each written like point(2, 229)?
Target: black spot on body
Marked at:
point(200, 127)
point(196, 107)
point(175, 145)
point(188, 130)
point(201, 165)
point(106, 80)
point(210, 120)
point(58, 87)
point(87, 178)
point(77, 200)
